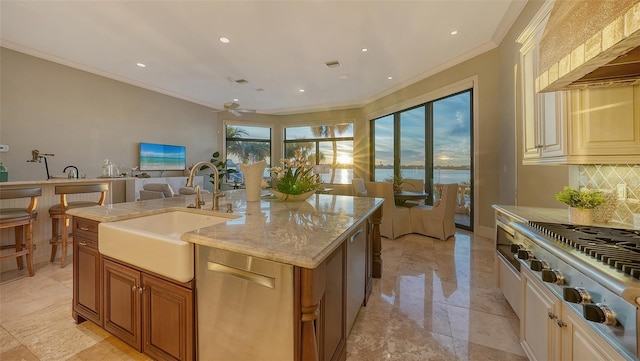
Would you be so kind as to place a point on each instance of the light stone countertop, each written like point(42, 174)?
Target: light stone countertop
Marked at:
point(58, 181)
point(551, 215)
point(297, 233)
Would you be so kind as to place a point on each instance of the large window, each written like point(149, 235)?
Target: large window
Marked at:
point(330, 145)
point(432, 142)
point(247, 144)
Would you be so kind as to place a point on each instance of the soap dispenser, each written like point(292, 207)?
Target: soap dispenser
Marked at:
point(106, 168)
point(4, 174)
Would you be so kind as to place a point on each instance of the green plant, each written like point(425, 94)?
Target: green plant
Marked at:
point(581, 199)
point(295, 176)
point(221, 166)
point(397, 180)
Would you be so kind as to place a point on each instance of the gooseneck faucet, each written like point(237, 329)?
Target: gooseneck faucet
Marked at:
point(216, 193)
point(71, 175)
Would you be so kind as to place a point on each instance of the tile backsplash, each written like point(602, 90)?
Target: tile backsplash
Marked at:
point(607, 178)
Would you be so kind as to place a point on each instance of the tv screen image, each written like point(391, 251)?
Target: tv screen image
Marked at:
point(162, 157)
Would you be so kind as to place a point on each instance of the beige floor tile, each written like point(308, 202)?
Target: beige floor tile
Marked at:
point(7, 341)
point(19, 352)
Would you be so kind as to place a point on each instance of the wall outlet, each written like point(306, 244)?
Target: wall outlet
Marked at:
point(622, 191)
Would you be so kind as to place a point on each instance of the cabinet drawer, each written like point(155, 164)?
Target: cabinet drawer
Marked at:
point(85, 228)
point(81, 241)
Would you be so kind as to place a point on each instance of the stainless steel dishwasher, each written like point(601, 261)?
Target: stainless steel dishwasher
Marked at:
point(244, 307)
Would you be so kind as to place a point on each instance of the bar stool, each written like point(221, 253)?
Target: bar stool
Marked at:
point(21, 220)
point(60, 219)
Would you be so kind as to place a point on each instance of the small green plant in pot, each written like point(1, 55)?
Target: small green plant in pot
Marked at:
point(581, 203)
point(397, 180)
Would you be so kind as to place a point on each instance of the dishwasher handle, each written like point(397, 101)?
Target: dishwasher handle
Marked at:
point(262, 280)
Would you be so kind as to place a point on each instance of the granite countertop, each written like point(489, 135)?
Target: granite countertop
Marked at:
point(297, 233)
point(551, 215)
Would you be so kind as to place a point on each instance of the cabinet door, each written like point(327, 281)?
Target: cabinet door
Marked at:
point(539, 314)
point(167, 316)
point(606, 122)
point(87, 280)
point(579, 342)
point(530, 131)
point(333, 307)
point(122, 302)
point(356, 277)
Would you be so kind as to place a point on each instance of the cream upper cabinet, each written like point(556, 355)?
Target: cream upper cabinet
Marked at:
point(543, 114)
point(605, 125)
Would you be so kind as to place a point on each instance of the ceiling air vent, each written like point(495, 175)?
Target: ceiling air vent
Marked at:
point(332, 64)
point(241, 81)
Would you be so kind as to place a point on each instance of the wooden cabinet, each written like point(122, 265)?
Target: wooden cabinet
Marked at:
point(605, 125)
point(333, 306)
point(152, 314)
point(87, 277)
point(551, 330)
point(509, 283)
point(543, 114)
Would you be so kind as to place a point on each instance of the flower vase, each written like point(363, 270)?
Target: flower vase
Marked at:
point(252, 174)
point(581, 216)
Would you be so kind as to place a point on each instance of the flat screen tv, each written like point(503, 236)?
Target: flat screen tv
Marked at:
point(162, 157)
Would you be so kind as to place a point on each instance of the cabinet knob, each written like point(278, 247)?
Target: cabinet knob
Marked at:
point(561, 323)
point(82, 243)
point(134, 288)
point(84, 228)
point(551, 315)
point(140, 289)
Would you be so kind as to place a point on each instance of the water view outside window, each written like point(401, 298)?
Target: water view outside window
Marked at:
point(247, 144)
point(431, 142)
point(330, 144)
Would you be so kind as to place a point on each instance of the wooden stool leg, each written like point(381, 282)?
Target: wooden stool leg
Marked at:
point(18, 233)
point(29, 244)
point(54, 238)
point(65, 238)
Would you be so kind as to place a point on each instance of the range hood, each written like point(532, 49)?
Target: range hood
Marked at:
point(590, 43)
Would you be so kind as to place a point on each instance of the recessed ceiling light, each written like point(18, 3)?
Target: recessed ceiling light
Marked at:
point(224, 40)
point(236, 100)
point(389, 77)
point(140, 65)
point(364, 50)
point(301, 90)
point(344, 76)
point(455, 32)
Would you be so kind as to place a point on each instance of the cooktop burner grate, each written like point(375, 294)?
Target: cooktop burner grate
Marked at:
point(618, 248)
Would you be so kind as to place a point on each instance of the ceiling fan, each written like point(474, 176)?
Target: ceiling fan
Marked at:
point(232, 107)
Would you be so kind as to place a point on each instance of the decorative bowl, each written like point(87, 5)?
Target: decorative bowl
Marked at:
point(292, 197)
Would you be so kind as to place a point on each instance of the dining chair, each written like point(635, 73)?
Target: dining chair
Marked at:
point(396, 220)
point(437, 221)
point(358, 188)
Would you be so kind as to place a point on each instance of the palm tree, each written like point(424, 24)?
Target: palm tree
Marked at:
point(235, 147)
point(329, 131)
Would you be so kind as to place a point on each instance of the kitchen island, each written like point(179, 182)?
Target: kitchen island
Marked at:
point(312, 237)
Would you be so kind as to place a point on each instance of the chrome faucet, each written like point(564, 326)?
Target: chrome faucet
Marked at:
point(71, 174)
point(216, 193)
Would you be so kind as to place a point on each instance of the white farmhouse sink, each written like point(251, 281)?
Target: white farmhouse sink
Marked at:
point(153, 242)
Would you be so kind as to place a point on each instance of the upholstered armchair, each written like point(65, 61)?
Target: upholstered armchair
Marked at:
point(396, 220)
point(358, 188)
point(437, 221)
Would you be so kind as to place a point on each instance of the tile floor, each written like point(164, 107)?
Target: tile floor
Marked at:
point(436, 301)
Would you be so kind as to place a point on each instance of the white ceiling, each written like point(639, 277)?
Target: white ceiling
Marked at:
point(278, 46)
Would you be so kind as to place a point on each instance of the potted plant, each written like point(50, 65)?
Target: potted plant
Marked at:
point(397, 180)
point(222, 168)
point(581, 204)
point(294, 181)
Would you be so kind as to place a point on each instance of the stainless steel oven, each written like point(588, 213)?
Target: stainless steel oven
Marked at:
point(505, 236)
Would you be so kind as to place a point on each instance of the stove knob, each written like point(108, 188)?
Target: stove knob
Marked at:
point(538, 265)
point(525, 254)
point(576, 295)
point(515, 248)
point(552, 276)
point(597, 312)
